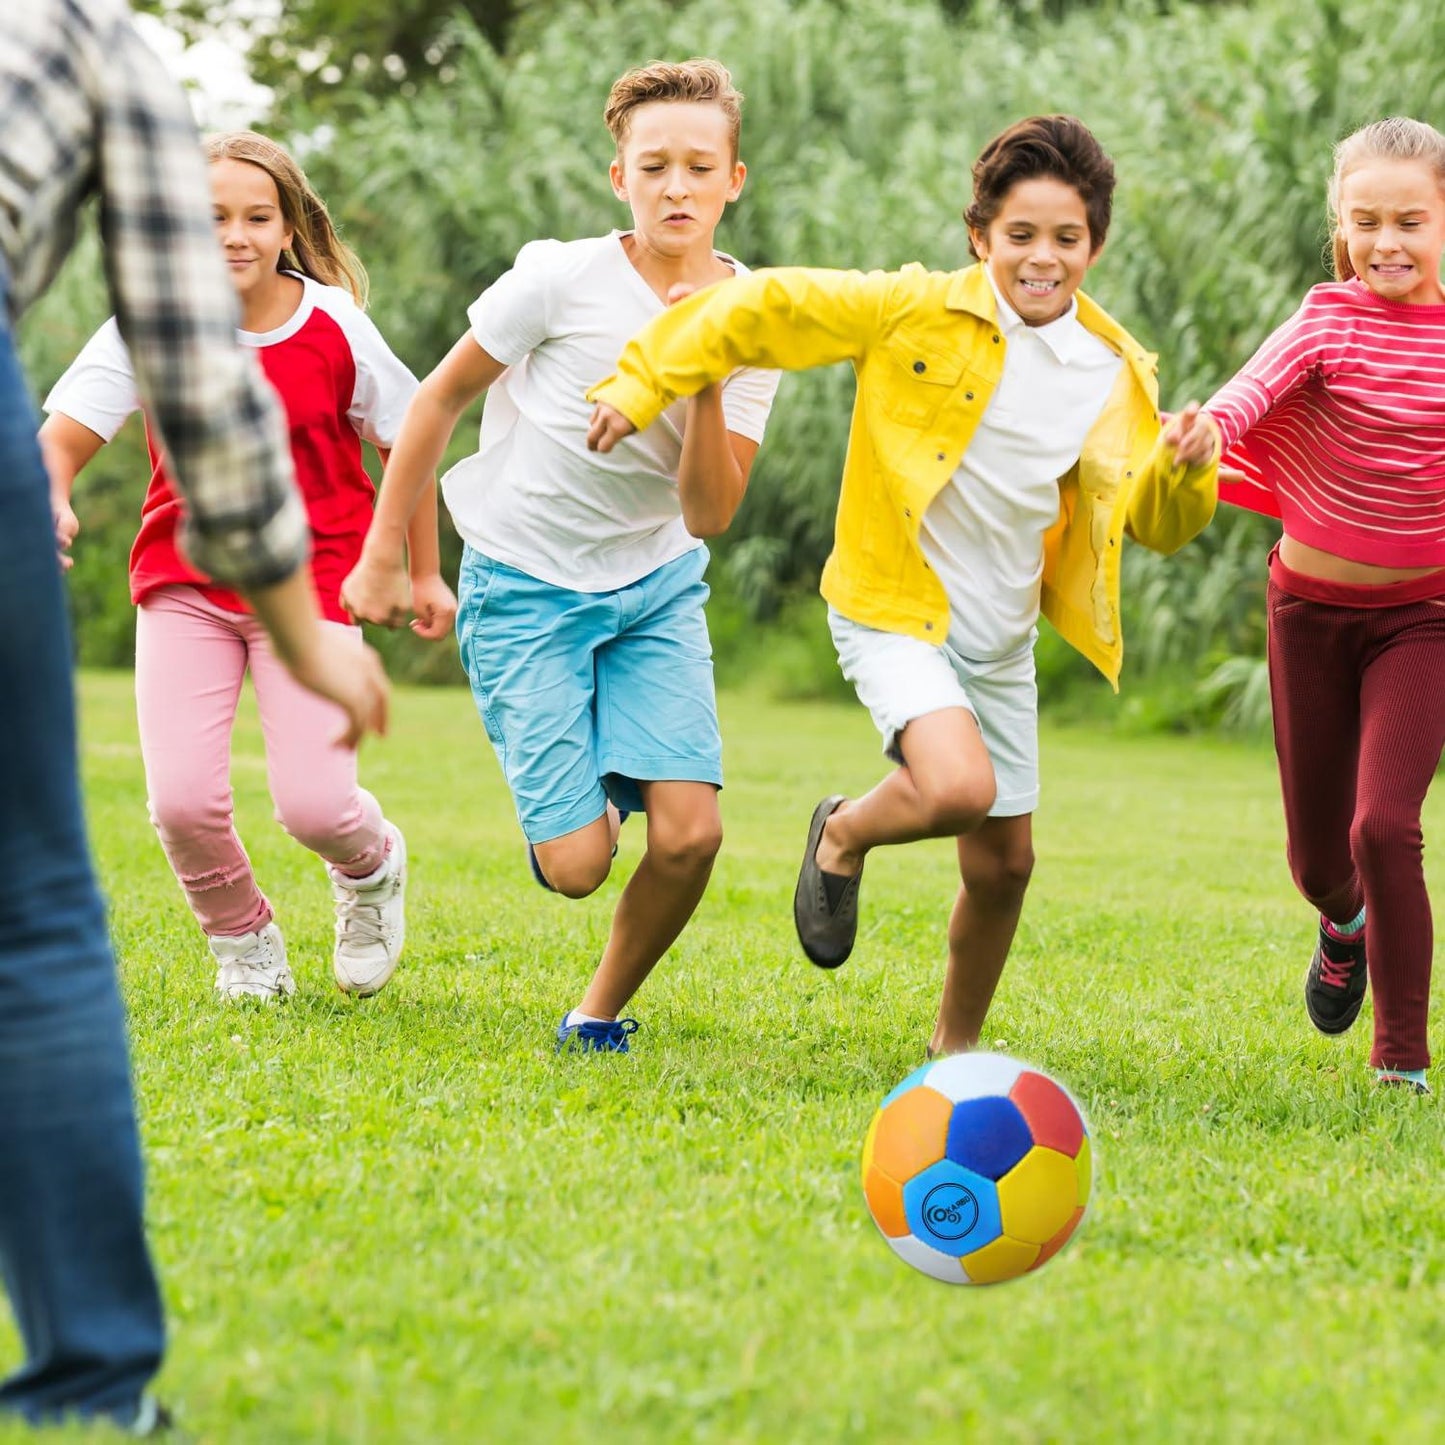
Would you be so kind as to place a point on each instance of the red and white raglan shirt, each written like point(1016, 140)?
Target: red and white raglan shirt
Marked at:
point(1338, 422)
point(340, 384)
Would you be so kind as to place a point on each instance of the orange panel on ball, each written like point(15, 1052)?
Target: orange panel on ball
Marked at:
point(1050, 1112)
point(1059, 1240)
point(885, 1203)
point(912, 1133)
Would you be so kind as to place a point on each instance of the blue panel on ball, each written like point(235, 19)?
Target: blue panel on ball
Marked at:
point(988, 1136)
point(915, 1078)
point(952, 1209)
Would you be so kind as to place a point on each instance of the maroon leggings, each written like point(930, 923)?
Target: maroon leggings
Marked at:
point(1359, 724)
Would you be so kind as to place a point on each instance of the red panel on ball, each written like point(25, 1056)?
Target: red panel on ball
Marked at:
point(1050, 1112)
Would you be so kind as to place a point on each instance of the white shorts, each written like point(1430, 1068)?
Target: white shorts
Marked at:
point(898, 678)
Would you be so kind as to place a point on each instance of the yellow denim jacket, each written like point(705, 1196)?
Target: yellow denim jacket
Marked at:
point(928, 353)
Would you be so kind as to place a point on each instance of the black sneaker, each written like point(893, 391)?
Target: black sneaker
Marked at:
point(1335, 983)
point(825, 905)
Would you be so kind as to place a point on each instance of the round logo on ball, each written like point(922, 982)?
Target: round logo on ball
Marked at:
point(949, 1211)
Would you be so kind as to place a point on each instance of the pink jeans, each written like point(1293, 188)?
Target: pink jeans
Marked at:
point(190, 659)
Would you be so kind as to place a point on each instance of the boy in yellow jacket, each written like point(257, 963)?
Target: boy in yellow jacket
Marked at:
point(1004, 440)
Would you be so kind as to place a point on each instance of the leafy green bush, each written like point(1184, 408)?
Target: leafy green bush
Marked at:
point(861, 124)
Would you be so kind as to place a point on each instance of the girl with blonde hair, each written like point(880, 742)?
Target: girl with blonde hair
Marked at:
point(301, 292)
point(1338, 422)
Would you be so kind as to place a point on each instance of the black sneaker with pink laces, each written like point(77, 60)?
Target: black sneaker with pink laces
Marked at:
point(1335, 983)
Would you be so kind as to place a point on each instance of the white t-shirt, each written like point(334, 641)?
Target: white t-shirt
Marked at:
point(533, 497)
point(98, 388)
point(984, 532)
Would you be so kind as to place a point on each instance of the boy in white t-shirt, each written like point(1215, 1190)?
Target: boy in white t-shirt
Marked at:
point(581, 622)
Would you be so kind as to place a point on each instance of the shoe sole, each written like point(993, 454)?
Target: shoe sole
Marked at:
point(241, 993)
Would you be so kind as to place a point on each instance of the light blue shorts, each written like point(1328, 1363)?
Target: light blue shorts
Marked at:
point(586, 694)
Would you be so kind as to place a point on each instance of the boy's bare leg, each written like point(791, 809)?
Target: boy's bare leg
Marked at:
point(994, 863)
point(945, 787)
point(684, 833)
point(578, 862)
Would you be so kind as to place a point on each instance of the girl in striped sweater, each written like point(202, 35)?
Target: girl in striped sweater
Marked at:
point(1338, 425)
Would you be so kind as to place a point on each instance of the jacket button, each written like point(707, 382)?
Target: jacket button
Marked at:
point(995, 336)
point(928, 627)
point(920, 367)
point(968, 396)
point(906, 512)
point(940, 456)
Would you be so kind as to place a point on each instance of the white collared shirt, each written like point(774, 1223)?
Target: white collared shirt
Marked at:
point(984, 532)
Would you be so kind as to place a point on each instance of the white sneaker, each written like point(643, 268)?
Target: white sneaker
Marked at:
point(253, 965)
point(370, 922)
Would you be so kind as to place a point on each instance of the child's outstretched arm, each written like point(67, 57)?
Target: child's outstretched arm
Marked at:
point(789, 319)
point(378, 588)
point(712, 473)
point(66, 446)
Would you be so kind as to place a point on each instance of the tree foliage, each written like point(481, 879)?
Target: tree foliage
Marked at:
point(862, 120)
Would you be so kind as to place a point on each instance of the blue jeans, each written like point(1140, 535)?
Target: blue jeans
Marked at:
point(72, 1247)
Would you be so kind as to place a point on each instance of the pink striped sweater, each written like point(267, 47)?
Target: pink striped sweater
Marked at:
point(1338, 421)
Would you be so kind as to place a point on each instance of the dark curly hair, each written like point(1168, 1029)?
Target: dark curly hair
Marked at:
point(1060, 146)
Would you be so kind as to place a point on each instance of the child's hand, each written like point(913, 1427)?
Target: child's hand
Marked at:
point(378, 591)
point(355, 682)
point(608, 428)
point(1192, 435)
point(435, 607)
point(67, 524)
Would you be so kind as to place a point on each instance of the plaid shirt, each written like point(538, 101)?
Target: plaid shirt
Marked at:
point(86, 107)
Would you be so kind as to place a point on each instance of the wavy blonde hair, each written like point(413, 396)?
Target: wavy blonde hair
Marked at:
point(316, 250)
point(1396, 138)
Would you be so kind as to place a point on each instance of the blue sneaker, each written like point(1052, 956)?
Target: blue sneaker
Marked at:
point(601, 1038)
point(536, 867)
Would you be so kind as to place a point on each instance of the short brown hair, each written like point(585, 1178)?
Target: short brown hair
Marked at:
point(1060, 146)
point(696, 79)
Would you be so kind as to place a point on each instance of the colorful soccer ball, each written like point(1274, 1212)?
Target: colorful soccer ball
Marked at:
point(977, 1168)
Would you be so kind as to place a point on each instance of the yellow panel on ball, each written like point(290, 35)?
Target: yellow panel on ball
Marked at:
point(1037, 1196)
point(911, 1133)
point(1004, 1259)
point(1060, 1239)
point(868, 1148)
point(1085, 1166)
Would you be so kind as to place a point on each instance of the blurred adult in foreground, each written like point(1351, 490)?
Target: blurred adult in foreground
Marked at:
point(85, 107)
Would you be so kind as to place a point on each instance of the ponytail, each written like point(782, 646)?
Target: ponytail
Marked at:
point(1340, 256)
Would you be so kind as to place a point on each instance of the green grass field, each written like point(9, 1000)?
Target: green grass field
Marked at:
point(406, 1220)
